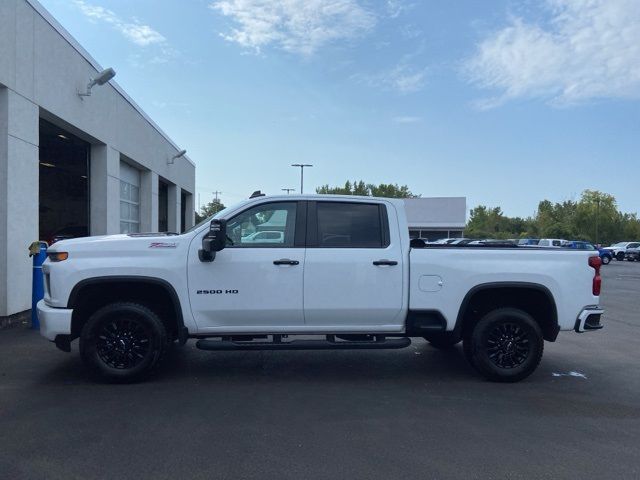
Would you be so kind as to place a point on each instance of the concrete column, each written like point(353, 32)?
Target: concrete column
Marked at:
point(19, 172)
point(175, 209)
point(190, 212)
point(104, 199)
point(148, 201)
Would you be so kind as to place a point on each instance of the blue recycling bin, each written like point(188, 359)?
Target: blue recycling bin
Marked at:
point(38, 251)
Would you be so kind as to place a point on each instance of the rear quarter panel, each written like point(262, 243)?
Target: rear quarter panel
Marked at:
point(440, 278)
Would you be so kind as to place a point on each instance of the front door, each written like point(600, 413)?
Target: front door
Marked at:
point(255, 282)
point(353, 273)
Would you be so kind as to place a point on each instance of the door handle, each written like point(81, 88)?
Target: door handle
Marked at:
point(384, 261)
point(285, 261)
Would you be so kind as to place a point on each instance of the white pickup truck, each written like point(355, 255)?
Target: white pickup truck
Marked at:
point(343, 274)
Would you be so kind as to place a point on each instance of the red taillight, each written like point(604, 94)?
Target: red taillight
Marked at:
point(596, 263)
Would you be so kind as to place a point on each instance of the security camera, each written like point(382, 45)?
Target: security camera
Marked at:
point(102, 78)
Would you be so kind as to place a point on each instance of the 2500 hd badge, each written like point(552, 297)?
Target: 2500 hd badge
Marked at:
point(215, 292)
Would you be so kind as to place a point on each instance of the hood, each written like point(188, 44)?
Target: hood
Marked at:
point(109, 240)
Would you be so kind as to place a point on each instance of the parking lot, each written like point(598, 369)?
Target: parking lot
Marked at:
point(412, 413)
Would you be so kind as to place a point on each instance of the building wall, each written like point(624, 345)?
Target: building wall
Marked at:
point(41, 70)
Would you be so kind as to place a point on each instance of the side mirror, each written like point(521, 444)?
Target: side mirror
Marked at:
point(214, 241)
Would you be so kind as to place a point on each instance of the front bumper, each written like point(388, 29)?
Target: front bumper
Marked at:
point(589, 319)
point(54, 321)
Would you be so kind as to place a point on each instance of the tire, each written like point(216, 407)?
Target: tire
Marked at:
point(620, 256)
point(606, 259)
point(495, 353)
point(442, 342)
point(123, 342)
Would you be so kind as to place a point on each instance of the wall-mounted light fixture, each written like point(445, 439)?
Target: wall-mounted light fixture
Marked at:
point(102, 78)
point(181, 153)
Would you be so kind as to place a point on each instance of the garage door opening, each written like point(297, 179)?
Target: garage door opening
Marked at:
point(63, 184)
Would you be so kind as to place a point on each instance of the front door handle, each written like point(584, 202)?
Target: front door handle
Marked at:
point(285, 261)
point(384, 261)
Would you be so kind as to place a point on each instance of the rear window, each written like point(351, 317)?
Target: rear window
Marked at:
point(350, 225)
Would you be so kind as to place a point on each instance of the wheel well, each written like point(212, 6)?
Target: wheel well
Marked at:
point(89, 296)
point(536, 301)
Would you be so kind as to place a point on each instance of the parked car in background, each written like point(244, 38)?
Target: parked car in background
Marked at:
point(605, 255)
point(632, 254)
point(618, 249)
point(460, 241)
point(265, 236)
point(528, 242)
point(551, 242)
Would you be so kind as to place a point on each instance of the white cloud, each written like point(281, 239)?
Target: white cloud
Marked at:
point(298, 26)
point(403, 78)
point(589, 49)
point(406, 119)
point(136, 32)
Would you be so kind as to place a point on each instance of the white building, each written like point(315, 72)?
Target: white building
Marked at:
point(72, 165)
point(436, 217)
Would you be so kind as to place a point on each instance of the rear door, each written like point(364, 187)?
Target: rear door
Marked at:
point(255, 282)
point(353, 266)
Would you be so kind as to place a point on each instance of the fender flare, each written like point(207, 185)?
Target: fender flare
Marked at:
point(457, 330)
point(175, 300)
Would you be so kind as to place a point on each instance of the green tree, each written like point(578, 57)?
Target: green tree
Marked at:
point(208, 210)
point(597, 217)
point(388, 190)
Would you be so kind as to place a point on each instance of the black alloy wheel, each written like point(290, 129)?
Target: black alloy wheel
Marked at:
point(505, 345)
point(508, 345)
point(123, 341)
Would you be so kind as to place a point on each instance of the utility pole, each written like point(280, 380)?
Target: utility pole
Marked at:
point(301, 165)
point(216, 201)
point(288, 190)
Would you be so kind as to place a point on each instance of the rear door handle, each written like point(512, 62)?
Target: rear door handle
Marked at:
point(384, 261)
point(285, 261)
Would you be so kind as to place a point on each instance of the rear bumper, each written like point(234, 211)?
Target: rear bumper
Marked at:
point(53, 321)
point(589, 319)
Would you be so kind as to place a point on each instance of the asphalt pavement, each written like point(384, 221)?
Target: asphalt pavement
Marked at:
point(416, 413)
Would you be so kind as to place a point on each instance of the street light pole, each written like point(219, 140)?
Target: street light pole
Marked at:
point(301, 165)
point(288, 190)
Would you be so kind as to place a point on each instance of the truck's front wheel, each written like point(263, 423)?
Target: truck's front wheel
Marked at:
point(505, 345)
point(123, 341)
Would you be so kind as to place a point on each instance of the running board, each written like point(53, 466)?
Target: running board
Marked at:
point(329, 344)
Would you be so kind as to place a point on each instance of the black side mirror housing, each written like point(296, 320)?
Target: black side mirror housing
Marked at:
point(214, 241)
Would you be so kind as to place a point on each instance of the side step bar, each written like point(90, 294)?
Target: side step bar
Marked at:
point(329, 344)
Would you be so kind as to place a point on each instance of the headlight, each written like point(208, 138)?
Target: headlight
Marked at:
point(57, 256)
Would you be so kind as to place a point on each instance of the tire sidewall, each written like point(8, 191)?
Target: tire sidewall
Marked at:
point(479, 344)
point(150, 322)
point(605, 260)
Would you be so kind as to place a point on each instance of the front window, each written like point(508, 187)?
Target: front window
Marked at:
point(266, 225)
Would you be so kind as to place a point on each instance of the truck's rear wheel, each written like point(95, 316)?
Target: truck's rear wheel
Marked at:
point(505, 345)
point(123, 341)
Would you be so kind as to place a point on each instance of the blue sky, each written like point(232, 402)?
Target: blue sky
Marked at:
point(505, 102)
